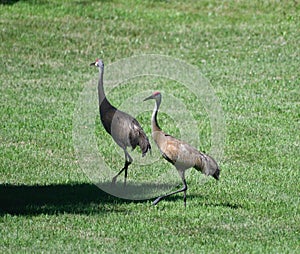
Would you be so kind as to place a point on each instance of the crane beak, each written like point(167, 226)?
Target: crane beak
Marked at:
point(148, 98)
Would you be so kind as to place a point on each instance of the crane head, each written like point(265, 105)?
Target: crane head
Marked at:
point(98, 63)
point(155, 95)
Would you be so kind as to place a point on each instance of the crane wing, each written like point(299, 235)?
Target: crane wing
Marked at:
point(176, 151)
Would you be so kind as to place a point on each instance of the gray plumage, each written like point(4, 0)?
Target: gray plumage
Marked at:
point(182, 155)
point(124, 129)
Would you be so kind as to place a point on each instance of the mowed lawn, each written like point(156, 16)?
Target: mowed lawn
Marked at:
point(249, 52)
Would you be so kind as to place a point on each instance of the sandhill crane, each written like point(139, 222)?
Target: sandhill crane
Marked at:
point(124, 129)
point(182, 155)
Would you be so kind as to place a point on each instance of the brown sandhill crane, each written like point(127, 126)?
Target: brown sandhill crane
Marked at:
point(182, 155)
point(124, 129)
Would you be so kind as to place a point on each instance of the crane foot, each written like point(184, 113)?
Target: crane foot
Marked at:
point(156, 201)
point(113, 182)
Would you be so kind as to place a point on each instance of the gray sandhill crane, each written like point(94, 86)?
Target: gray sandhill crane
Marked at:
point(182, 155)
point(124, 129)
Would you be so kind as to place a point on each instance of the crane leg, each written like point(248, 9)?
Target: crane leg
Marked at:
point(183, 189)
point(128, 161)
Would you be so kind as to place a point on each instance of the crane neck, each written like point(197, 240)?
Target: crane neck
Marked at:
point(101, 95)
point(155, 126)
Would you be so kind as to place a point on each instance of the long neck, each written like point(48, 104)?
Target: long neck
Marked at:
point(101, 94)
point(155, 126)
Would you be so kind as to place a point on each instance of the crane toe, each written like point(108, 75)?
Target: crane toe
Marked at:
point(113, 181)
point(156, 201)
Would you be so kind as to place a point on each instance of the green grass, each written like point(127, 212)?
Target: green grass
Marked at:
point(248, 50)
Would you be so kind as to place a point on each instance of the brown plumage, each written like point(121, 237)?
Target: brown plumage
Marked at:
point(124, 129)
point(182, 155)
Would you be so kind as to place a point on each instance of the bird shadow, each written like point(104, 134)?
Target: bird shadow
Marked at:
point(79, 198)
point(8, 2)
point(201, 200)
point(78, 2)
point(226, 205)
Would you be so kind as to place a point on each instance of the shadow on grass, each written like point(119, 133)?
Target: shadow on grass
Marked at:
point(79, 2)
point(201, 200)
point(224, 204)
point(82, 198)
point(8, 2)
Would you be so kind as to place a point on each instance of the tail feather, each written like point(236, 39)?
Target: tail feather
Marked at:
point(144, 143)
point(216, 175)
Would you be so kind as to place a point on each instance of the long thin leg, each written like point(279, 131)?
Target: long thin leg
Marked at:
point(183, 189)
point(128, 161)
